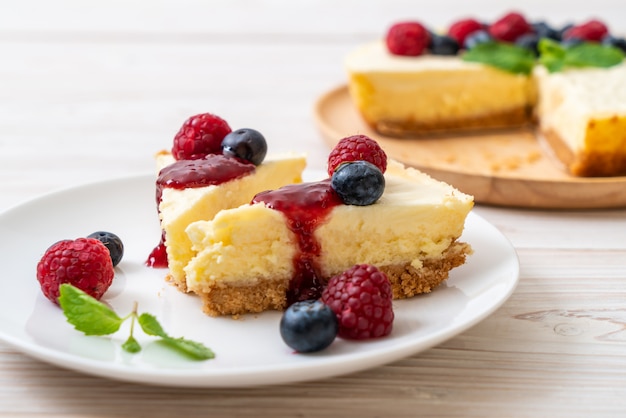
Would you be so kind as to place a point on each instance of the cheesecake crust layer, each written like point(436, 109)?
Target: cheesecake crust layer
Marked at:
point(510, 118)
point(234, 298)
point(591, 163)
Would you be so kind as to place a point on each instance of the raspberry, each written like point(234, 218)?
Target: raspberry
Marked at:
point(199, 136)
point(407, 38)
point(361, 299)
point(510, 27)
point(357, 148)
point(84, 263)
point(463, 28)
point(593, 31)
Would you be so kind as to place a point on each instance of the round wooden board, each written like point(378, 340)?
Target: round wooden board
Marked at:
point(504, 168)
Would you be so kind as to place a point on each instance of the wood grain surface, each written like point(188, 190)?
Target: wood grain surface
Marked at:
point(91, 90)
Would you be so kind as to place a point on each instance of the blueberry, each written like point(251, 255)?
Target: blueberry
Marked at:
point(564, 29)
point(358, 183)
point(570, 42)
point(528, 41)
point(476, 38)
point(443, 45)
point(112, 242)
point(247, 144)
point(309, 326)
point(611, 40)
point(543, 30)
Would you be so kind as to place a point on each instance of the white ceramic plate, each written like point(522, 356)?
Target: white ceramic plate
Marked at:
point(249, 351)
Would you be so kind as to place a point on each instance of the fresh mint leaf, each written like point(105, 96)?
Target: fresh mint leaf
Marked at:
point(506, 57)
point(555, 57)
point(193, 349)
point(86, 313)
point(93, 317)
point(151, 326)
point(131, 345)
point(551, 54)
point(593, 55)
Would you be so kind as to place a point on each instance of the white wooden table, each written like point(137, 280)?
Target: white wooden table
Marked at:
point(90, 90)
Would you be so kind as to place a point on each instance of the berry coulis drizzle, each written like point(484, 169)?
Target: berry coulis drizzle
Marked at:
point(306, 206)
point(213, 169)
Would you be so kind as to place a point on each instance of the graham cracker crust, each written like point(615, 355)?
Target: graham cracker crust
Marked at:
point(262, 295)
point(511, 118)
point(585, 164)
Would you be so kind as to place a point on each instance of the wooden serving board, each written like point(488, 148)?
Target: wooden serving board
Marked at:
point(503, 168)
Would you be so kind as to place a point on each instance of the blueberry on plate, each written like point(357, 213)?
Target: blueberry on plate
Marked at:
point(247, 144)
point(358, 183)
point(308, 326)
point(112, 242)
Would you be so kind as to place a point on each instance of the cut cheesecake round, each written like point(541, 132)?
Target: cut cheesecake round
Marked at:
point(181, 204)
point(581, 112)
point(287, 243)
point(411, 96)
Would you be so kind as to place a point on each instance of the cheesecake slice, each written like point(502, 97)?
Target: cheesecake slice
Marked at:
point(405, 96)
point(285, 244)
point(582, 115)
point(185, 195)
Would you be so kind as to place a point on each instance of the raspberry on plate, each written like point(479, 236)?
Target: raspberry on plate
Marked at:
point(407, 38)
point(461, 29)
point(361, 297)
point(357, 148)
point(84, 263)
point(199, 136)
point(510, 27)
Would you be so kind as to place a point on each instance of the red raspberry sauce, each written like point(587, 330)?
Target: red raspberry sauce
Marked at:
point(306, 206)
point(211, 170)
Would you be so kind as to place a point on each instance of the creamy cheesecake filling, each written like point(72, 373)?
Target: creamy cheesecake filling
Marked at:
point(181, 207)
point(431, 93)
point(582, 112)
point(411, 232)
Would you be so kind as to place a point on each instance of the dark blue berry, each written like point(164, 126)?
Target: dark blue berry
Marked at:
point(112, 242)
point(358, 183)
point(611, 40)
point(308, 326)
point(247, 144)
point(570, 42)
point(564, 29)
point(543, 30)
point(476, 38)
point(529, 41)
point(443, 45)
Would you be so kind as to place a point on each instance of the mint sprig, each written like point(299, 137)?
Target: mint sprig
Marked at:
point(93, 317)
point(507, 57)
point(555, 57)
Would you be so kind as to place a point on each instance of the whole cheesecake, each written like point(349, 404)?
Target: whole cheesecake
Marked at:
point(284, 245)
